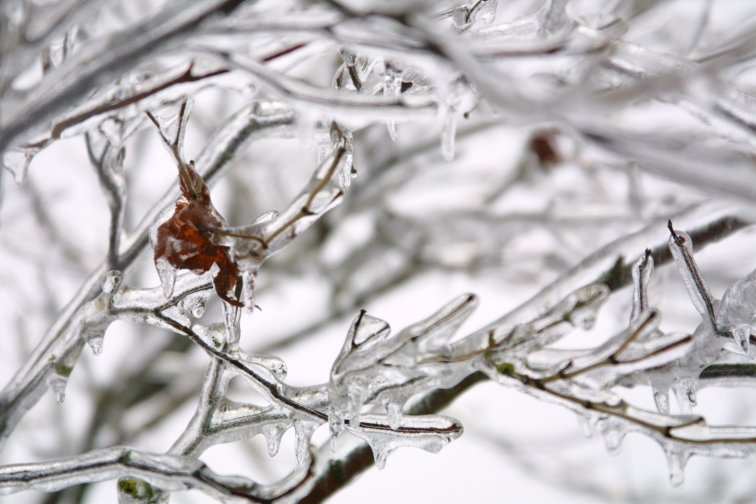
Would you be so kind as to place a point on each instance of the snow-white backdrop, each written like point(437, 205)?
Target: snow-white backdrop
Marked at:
point(527, 152)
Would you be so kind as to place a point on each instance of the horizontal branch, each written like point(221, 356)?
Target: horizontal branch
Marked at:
point(168, 472)
point(719, 371)
point(339, 105)
point(606, 265)
point(341, 471)
point(104, 59)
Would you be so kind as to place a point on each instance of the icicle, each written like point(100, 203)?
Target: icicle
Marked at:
point(347, 173)
point(612, 434)
point(58, 379)
point(304, 430)
point(58, 386)
point(741, 333)
point(356, 395)
point(346, 403)
point(336, 422)
point(328, 139)
point(273, 434)
point(94, 317)
point(95, 338)
point(167, 274)
point(341, 137)
point(449, 132)
point(394, 413)
point(685, 393)
point(392, 88)
point(17, 161)
point(380, 450)
point(661, 399)
point(586, 421)
point(677, 459)
point(95, 341)
point(112, 282)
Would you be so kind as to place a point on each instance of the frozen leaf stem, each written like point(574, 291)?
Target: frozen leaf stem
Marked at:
point(27, 386)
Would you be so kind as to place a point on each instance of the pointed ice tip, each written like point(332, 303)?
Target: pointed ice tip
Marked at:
point(394, 413)
point(677, 463)
point(17, 162)
point(448, 153)
point(273, 436)
point(380, 456)
point(677, 479)
point(58, 385)
point(95, 343)
point(741, 333)
point(112, 281)
point(661, 399)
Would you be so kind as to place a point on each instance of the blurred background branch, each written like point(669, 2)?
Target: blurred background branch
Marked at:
point(564, 161)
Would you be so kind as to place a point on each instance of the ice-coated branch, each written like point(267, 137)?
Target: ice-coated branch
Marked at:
point(142, 92)
point(340, 105)
point(37, 27)
point(682, 251)
point(104, 59)
point(62, 353)
point(641, 272)
point(29, 383)
point(607, 266)
point(345, 465)
point(107, 159)
point(680, 437)
point(303, 404)
point(171, 472)
point(568, 138)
